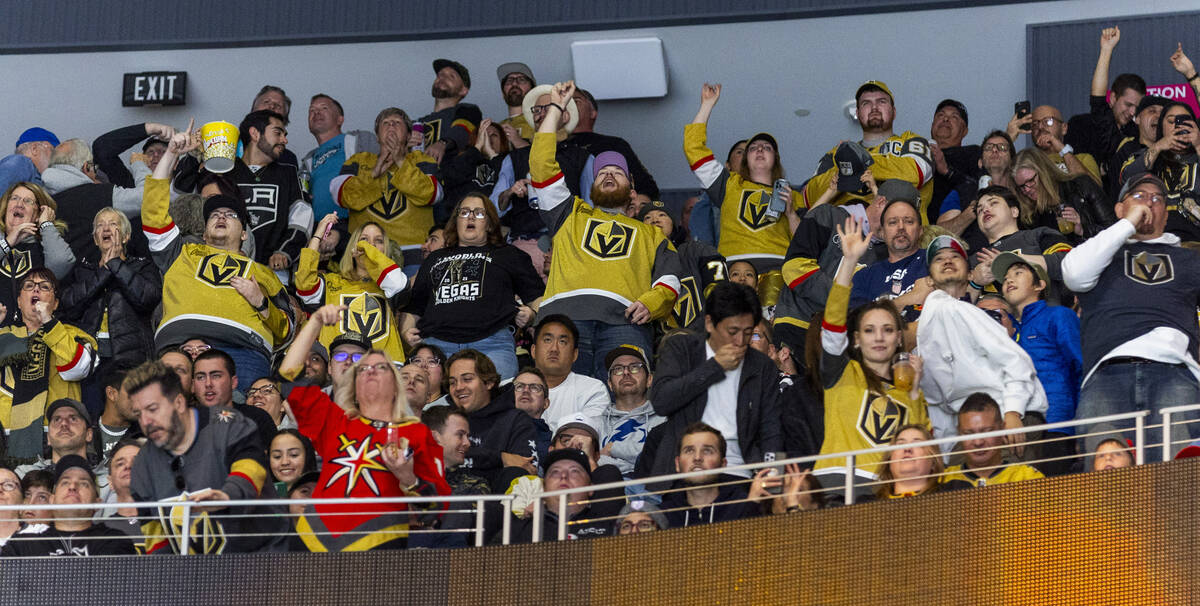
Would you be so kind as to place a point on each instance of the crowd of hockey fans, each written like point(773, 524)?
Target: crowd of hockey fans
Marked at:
point(441, 303)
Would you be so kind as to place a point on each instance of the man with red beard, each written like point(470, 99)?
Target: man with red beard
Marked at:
point(610, 274)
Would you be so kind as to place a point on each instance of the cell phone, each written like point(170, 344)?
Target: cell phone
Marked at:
point(776, 471)
point(1021, 108)
point(778, 204)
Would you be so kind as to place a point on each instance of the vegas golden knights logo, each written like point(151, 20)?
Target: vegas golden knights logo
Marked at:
point(880, 417)
point(219, 269)
point(1149, 268)
point(16, 265)
point(752, 211)
point(687, 305)
point(433, 131)
point(607, 240)
point(365, 314)
point(390, 205)
point(206, 535)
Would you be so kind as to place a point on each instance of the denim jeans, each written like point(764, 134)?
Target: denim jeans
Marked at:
point(498, 347)
point(251, 364)
point(1128, 387)
point(596, 339)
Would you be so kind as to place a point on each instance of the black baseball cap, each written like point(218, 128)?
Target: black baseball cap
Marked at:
point(70, 461)
point(438, 64)
point(350, 337)
point(568, 454)
point(956, 104)
point(1149, 101)
point(68, 402)
point(851, 160)
point(223, 201)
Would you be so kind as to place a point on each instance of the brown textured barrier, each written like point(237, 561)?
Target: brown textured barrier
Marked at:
point(1118, 537)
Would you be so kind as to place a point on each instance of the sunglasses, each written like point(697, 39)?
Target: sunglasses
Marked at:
point(343, 356)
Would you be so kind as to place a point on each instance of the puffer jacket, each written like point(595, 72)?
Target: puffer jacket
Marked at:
point(1050, 335)
point(129, 289)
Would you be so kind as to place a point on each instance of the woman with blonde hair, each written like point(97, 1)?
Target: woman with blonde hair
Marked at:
point(1073, 204)
point(32, 238)
point(369, 444)
point(907, 472)
point(367, 282)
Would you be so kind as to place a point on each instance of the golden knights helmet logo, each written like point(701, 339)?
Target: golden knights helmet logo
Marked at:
point(608, 240)
point(1149, 268)
point(17, 264)
point(688, 303)
point(752, 210)
point(390, 205)
point(879, 417)
point(365, 314)
point(219, 269)
point(206, 535)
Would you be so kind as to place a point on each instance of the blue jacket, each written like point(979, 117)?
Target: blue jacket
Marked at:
point(1050, 335)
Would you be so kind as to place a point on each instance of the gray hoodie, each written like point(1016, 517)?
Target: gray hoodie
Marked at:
point(626, 432)
point(128, 200)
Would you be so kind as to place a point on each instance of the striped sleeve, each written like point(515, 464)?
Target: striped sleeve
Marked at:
point(246, 478)
point(700, 158)
point(549, 185)
point(160, 230)
point(310, 286)
point(834, 339)
point(73, 351)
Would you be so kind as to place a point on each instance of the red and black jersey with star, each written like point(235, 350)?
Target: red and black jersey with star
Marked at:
point(352, 466)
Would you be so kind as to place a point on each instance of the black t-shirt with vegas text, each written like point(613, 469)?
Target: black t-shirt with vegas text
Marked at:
point(465, 293)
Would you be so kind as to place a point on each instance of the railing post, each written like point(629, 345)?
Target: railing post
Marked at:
point(562, 516)
point(479, 523)
point(537, 519)
point(849, 494)
point(1167, 435)
point(506, 526)
point(186, 531)
point(1139, 440)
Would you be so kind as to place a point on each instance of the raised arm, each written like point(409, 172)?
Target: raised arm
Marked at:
point(709, 95)
point(1183, 65)
point(292, 365)
point(1108, 41)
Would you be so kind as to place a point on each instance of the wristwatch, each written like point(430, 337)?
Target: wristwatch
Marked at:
point(1066, 149)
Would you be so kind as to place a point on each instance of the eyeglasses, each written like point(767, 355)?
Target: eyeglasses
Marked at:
point(635, 369)
point(263, 391)
point(342, 356)
point(374, 368)
point(1142, 196)
point(10, 486)
point(540, 110)
point(537, 388)
point(515, 79)
point(30, 285)
point(423, 362)
point(1030, 184)
point(223, 214)
point(467, 213)
point(1048, 122)
point(643, 526)
point(995, 147)
point(177, 468)
point(29, 201)
point(194, 350)
point(762, 147)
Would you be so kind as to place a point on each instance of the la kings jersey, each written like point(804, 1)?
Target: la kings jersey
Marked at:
point(603, 261)
point(747, 232)
point(905, 156)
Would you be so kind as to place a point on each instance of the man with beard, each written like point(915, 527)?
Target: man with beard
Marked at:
point(709, 498)
point(905, 156)
point(965, 351)
point(903, 269)
point(595, 143)
point(1048, 133)
point(451, 126)
point(1138, 291)
point(516, 79)
point(610, 274)
point(279, 216)
point(199, 455)
point(627, 421)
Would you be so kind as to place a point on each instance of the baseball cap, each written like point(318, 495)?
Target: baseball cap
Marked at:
point(71, 461)
point(659, 206)
point(513, 67)
point(68, 402)
point(1005, 260)
point(764, 137)
point(320, 350)
point(439, 64)
point(1138, 180)
point(897, 190)
point(627, 350)
point(942, 242)
point(305, 478)
point(609, 158)
point(1150, 101)
point(852, 160)
point(646, 507)
point(350, 337)
point(870, 85)
point(37, 133)
point(956, 104)
point(568, 454)
point(223, 201)
point(577, 421)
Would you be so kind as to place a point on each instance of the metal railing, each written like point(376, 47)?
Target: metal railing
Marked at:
point(561, 500)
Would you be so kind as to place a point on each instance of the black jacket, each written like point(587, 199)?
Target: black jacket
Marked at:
point(129, 289)
point(731, 504)
point(680, 393)
point(595, 520)
point(499, 427)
